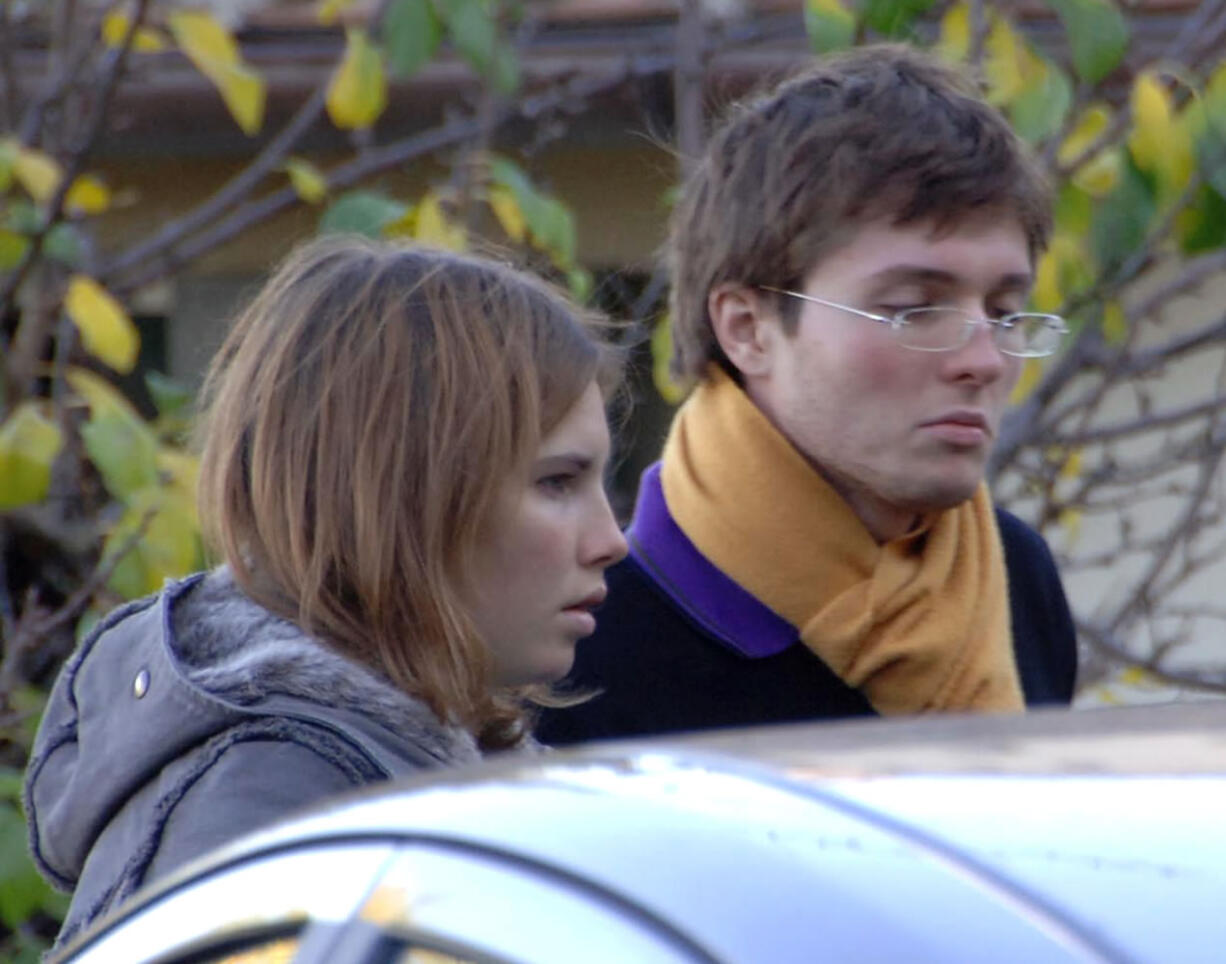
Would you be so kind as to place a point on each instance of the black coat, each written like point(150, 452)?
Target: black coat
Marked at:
point(659, 670)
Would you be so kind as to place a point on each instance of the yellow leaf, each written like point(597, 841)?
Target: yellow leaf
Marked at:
point(1089, 127)
point(115, 27)
point(203, 38)
point(308, 181)
point(1032, 369)
point(404, 226)
point(1061, 267)
point(434, 228)
point(357, 93)
point(1107, 695)
point(1004, 63)
point(1070, 522)
point(1099, 177)
point(29, 444)
point(88, 195)
point(1134, 676)
point(506, 209)
point(38, 173)
point(1151, 117)
point(1071, 469)
point(329, 10)
point(107, 332)
point(215, 53)
point(1115, 325)
point(955, 41)
point(1160, 142)
point(1047, 295)
point(245, 94)
point(672, 391)
point(101, 396)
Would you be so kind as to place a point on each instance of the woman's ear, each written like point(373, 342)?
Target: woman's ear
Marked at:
point(746, 325)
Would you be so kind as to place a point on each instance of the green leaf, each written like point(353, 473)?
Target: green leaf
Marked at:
point(580, 282)
point(1039, 110)
point(549, 221)
point(556, 231)
point(1211, 153)
point(169, 396)
point(411, 34)
point(361, 212)
point(1097, 35)
point(473, 30)
point(1122, 219)
point(894, 17)
point(29, 444)
point(1074, 209)
point(504, 71)
point(13, 248)
point(830, 25)
point(169, 548)
point(63, 244)
point(10, 785)
point(120, 443)
point(22, 216)
point(1202, 225)
point(8, 157)
point(22, 890)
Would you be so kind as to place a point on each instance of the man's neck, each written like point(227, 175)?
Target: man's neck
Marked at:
point(883, 520)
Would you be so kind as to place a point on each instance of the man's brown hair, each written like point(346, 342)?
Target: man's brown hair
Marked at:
point(360, 420)
point(879, 131)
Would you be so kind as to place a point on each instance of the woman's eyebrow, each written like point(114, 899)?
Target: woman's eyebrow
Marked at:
point(579, 461)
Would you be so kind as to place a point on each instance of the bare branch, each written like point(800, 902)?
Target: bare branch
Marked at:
point(234, 191)
point(33, 628)
point(384, 158)
point(1105, 641)
point(112, 72)
point(688, 83)
point(10, 96)
point(1139, 426)
point(1185, 524)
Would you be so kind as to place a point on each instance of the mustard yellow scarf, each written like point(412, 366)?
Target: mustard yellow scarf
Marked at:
point(919, 623)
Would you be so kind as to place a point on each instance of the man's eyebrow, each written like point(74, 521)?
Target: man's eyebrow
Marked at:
point(899, 273)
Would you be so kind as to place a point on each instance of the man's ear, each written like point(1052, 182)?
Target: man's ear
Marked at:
point(746, 326)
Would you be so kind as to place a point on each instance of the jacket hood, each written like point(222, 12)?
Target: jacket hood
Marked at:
point(162, 675)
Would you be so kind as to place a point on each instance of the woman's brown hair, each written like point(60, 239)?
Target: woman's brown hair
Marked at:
point(358, 423)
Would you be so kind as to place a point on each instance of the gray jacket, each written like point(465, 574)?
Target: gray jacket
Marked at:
point(191, 717)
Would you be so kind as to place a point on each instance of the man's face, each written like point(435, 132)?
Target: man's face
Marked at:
point(897, 431)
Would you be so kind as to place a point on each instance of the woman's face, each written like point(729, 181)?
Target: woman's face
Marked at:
point(538, 568)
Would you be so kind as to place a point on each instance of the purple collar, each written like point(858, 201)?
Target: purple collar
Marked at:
point(693, 582)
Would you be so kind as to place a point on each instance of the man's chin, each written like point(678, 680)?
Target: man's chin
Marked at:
point(940, 494)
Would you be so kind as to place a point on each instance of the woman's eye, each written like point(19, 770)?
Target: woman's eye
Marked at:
point(557, 483)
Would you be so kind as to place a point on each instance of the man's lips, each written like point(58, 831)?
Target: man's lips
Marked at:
point(960, 426)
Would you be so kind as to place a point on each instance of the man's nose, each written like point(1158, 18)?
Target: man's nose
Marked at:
point(980, 358)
